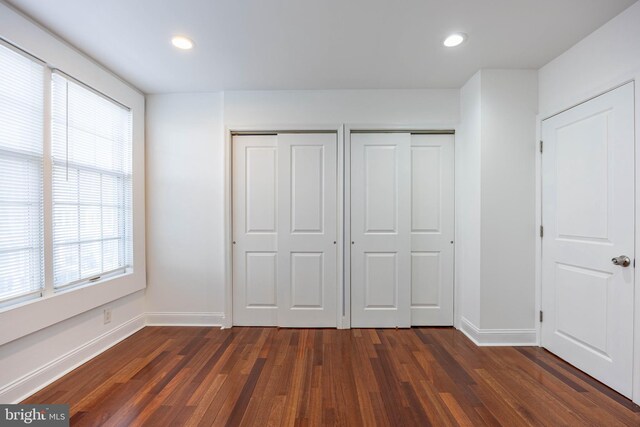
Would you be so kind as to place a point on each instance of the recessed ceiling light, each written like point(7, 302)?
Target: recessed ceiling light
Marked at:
point(455, 39)
point(182, 42)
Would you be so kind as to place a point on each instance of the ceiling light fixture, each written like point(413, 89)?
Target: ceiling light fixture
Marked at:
point(455, 39)
point(182, 42)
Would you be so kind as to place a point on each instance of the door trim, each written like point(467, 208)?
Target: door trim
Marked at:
point(540, 118)
point(350, 129)
point(229, 132)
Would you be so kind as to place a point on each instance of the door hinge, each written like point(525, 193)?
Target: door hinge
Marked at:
point(541, 231)
point(541, 316)
point(541, 143)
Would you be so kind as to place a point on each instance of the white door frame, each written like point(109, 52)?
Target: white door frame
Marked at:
point(538, 262)
point(228, 205)
point(346, 156)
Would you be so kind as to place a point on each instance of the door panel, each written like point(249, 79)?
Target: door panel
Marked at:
point(307, 220)
point(432, 229)
point(261, 189)
point(426, 186)
point(381, 281)
point(380, 230)
point(261, 279)
point(582, 180)
point(307, 280)
point(307, 188)
point(588, 217)
point(425, 280)
point(381, 188)
point(255, 222)
point(592, 287)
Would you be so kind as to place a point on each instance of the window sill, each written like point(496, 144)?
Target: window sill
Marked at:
point(32, 315)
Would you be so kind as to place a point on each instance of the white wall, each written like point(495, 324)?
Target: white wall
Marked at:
point(468, 202)
point(185, 205)
point(420, 107)
point(607, 58)
point(509, 107)
point(496, 206)
point(45, 337)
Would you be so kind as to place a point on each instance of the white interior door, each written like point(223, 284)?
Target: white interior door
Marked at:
point(432, 229)
point(307, 246)
point(588, 217)
point(380, 230)
point(284, 230)
point(255, 230)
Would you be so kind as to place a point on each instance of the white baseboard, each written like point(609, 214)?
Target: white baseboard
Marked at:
point(498, 337)
point(39, 378)
point(185, 319)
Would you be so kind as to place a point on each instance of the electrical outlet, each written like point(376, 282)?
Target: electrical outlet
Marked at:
point(107, 315)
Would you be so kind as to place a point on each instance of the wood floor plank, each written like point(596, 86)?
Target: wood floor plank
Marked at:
point(188, 376)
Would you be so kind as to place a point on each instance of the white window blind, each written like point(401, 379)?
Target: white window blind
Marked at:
point(92, 215)
point(21, 203)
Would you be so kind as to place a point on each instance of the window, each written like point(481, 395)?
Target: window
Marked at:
point(66, 177)
point(92, 195)
point(21, 166)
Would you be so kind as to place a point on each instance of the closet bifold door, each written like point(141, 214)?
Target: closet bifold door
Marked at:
point(432, 229)
point(402, 227)
point(380, 230)
point(307, 230)
point(285, 230)
point(255, 230)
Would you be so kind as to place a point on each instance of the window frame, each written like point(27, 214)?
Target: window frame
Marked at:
point(56, 304)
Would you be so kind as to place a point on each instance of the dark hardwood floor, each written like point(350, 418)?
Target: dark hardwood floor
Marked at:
point(360, 377)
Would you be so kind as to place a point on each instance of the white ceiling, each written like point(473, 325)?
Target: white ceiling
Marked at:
point(317, 44)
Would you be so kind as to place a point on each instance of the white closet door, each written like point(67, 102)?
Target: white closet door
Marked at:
point(380, 230)
point(432, 230)
point(588, 245)
point(307, 230)
point(284, 230)
point(255, 230)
